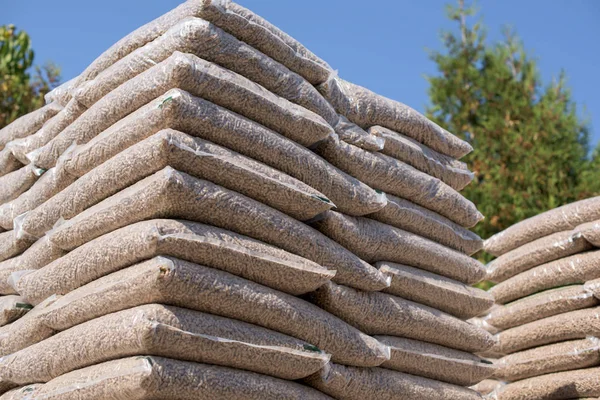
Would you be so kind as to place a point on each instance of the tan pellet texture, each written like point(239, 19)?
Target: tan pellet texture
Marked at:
point(62, 93)
point(28, 124)
point(42, 252)
point(487, 386)
point(203, 79)
point(195, 156)
point(559, 219)
point(444, 294)
point(576, 269)
point(174, 194)
point(12, 245)
point(591, 232)
point(202, 244)
point(540, 251)
point(21, 148)
point(351, 383)
point(392, 176)
point(435, 362)
point(169, 332)
point(12, 308)
point(179, 110)
point(366, 109)
point(382, 314)
point(203, 289)
point(51, 182)
point(234, 19)
point(17, 182)
point(572, 325)
point(416, 219)
point(20, 393)
point(351, 133)
point(557, 386)
point(205, 40)
point(8, 162)
point(150, 378)
point(541, 305)
point(450, 171)
point(557, 357)
point(374, 241)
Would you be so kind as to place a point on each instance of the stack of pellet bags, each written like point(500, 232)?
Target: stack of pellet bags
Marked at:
point(547, 316)
point(209, 212)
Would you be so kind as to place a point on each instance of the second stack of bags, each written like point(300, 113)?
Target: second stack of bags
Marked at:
point(547, 317)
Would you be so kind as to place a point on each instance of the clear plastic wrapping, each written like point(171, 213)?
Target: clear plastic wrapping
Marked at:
point(12, 244)
point(184, 284)
point(28, 124)
point(450, 171)
point(591, 232)
point(366, 109)
point(351, 133)
point(395, 177)
point(559, 219)
point(540, 251)
point(12, 308)
point(576, 269)
point(374, 241)
point(378, 313)
point(195, 156)
point(17, 182)
point(8, 162)
point(165, 331)
point(201, 78)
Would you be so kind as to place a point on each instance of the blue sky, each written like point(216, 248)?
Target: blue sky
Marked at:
point(379, 44)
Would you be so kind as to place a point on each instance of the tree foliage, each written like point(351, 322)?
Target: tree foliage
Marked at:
point(531, 147)
point(22, 86)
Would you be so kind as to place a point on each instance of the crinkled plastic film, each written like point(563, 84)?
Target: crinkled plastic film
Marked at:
point(12, 308)
point(8, 162)
point(540, 251)
point(28, 124)
point(353, 134)
point(559, 219)
point(591, 232)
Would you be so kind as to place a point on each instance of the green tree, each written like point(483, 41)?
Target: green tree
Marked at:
point(530, 145)
point(22, 86)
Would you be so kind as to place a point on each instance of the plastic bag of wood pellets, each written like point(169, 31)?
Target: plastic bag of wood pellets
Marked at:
point(540, 251)
point(198, 117)
point(487, 386)
point(17, 182)
point(559, 219)
point(449, 170)
point(20, 148)
point(51, 182)
point(366, 109)
point(392, 176)
point(351, 133)
point(12, 308)
point(382, 314)
point(435, 362)
point(591, 232)
point(195, 156)
point(561, 385)
point(42, 252)
point(444, 294)
point(160, 280)
point(234, 19)
point(568, 326)
point(351, 383)
point(557, 357)
point(62, 93)
point(169, 332)
point(147, 378)
point(11, 244)
point(541, 305)
point(28, 124)
point(201, 38)
point(8, 162)
point(173, 194)
point(413, 218)
point(201, 78)
point(181, 283)
point(576, 269)
point(198, 243)
point(374, 241)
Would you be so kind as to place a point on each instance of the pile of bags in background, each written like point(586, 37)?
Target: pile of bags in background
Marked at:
point(208, 211)
point(547, 316)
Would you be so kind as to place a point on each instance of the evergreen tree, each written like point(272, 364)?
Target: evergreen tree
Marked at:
point(20, 91)
point(530, 145)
